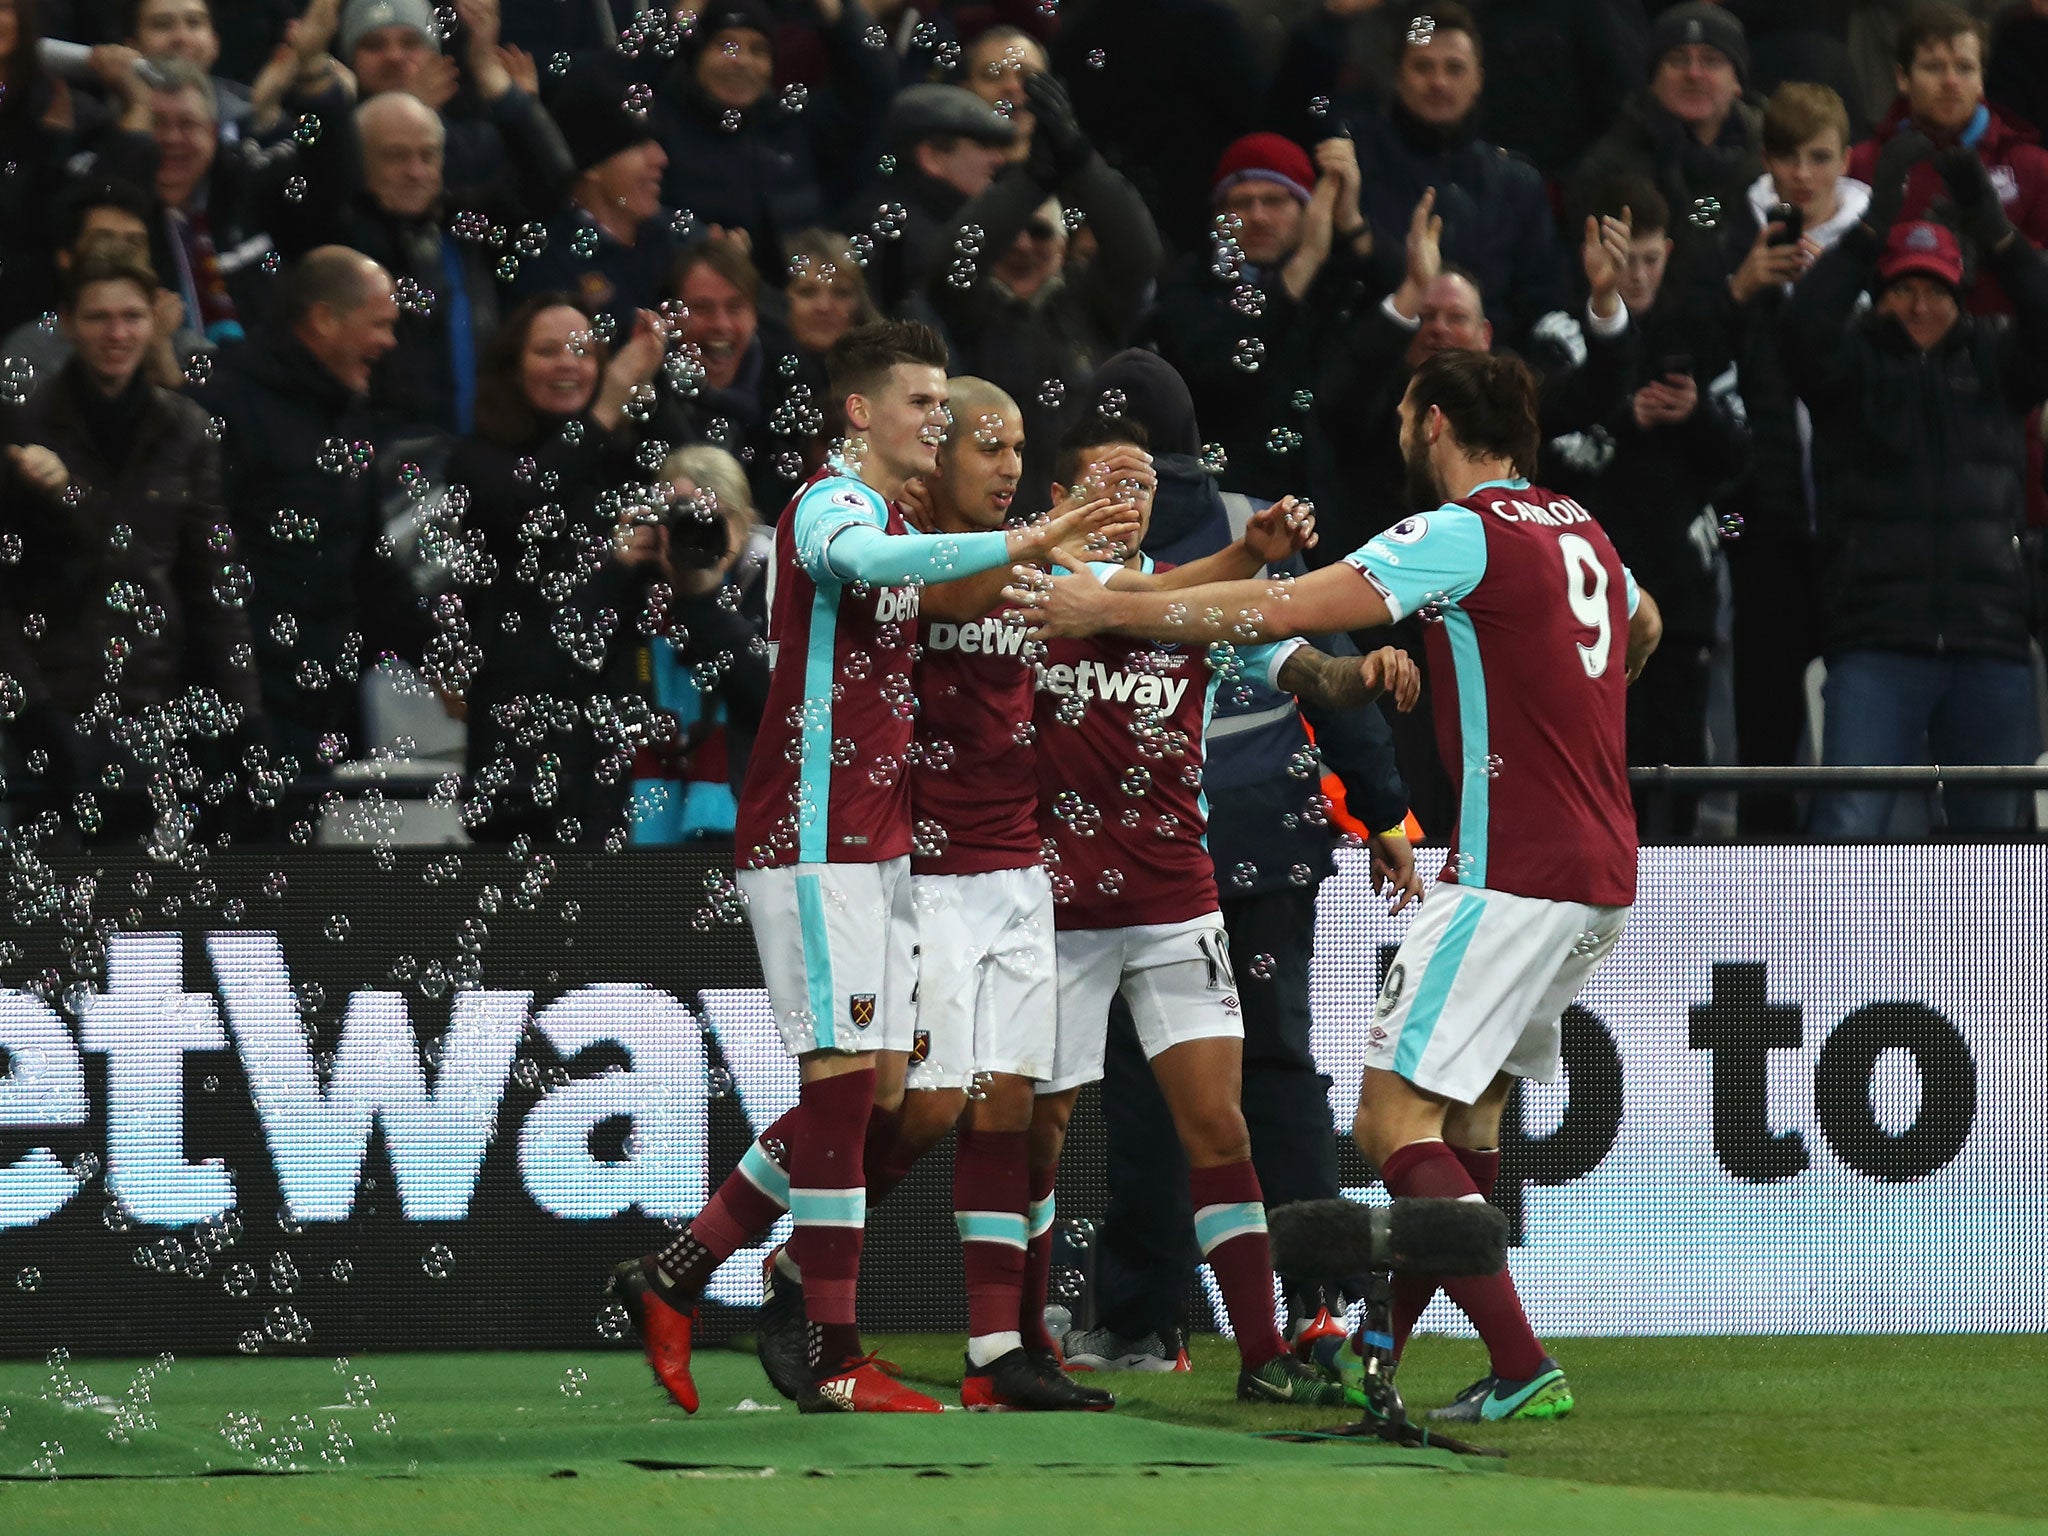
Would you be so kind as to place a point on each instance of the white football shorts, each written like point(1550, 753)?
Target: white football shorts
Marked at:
point(1480, 985)
point(986, 994)
point(1175, 978)
point(837, 944)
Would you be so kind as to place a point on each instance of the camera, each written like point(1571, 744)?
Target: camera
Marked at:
point(1789, 215)
point(699, 535)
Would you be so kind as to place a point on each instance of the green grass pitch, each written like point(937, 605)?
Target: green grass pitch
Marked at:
point(1691, 1436)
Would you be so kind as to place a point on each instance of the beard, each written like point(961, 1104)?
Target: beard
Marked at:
point(1421, 488)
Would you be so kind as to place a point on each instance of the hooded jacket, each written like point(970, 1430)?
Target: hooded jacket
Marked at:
point(1776, 498)
point(1262, 830)
point(1919, 457)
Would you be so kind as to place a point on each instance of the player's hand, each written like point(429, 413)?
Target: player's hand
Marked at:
point(916, 503)
point(1392, 670)
point(1104, 528)
point(39, 466)
point(1393, 870)
point(1281, 531)
point(1125, 473)
point(1060, 606)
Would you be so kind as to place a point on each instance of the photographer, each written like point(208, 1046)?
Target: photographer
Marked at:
point(708, 667)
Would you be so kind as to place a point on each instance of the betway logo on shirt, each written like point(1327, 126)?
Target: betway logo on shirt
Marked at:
point(896, 605)
point(984, 637)
point(1117, 685)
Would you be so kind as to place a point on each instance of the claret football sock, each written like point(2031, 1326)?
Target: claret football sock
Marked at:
point(886, 1157)
point(1038, 1214)
point(989, 1188)
point(1230, 1224)
point(1413, 1293)
point(828, 1202)
point(744, 1207)
point(1430, 1169)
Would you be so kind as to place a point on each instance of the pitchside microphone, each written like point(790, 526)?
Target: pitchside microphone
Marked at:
point(1328, 1239)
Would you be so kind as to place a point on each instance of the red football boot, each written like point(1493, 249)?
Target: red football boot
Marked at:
point(664, 1328)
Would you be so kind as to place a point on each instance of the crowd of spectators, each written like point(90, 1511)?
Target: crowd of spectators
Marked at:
point(479, 346)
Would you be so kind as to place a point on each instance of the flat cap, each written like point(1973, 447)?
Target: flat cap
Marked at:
point(946, 112)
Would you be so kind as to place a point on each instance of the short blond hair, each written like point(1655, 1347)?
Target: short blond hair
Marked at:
point(714, 470)
point(1800, 111)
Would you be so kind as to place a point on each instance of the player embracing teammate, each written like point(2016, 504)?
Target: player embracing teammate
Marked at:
point(823, 845)
point(1534, 629)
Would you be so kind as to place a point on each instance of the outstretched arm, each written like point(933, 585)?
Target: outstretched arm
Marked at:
point(1243, 612)
point(1274, 535)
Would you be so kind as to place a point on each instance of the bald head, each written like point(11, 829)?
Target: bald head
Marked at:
point(403, 141)
point(970, 399)
point(341, 306)
point(982, 460)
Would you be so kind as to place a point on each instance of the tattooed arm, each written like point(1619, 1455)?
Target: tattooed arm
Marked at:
point(1346, 682)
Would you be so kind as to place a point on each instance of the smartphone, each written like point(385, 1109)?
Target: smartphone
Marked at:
point(1789, 215)
point(1675, 362)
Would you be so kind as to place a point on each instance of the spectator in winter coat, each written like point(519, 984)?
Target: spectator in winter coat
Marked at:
point(1771, 562)
point(948, 145)
point(1650, 472)
point(613, 248)
point(1940, 73)
point(108, 221)
point(1690, 135)
point(1918, 466)
point(1022, 316)
point(226, 206)
point(743, 158)
point(425, 234)
point(112, 482)
point(1247, 322)
point(708, 668)
point(554, 706)
point(326, 598)
point(1360, 487)
point(1498, 224)
point(741, 387)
